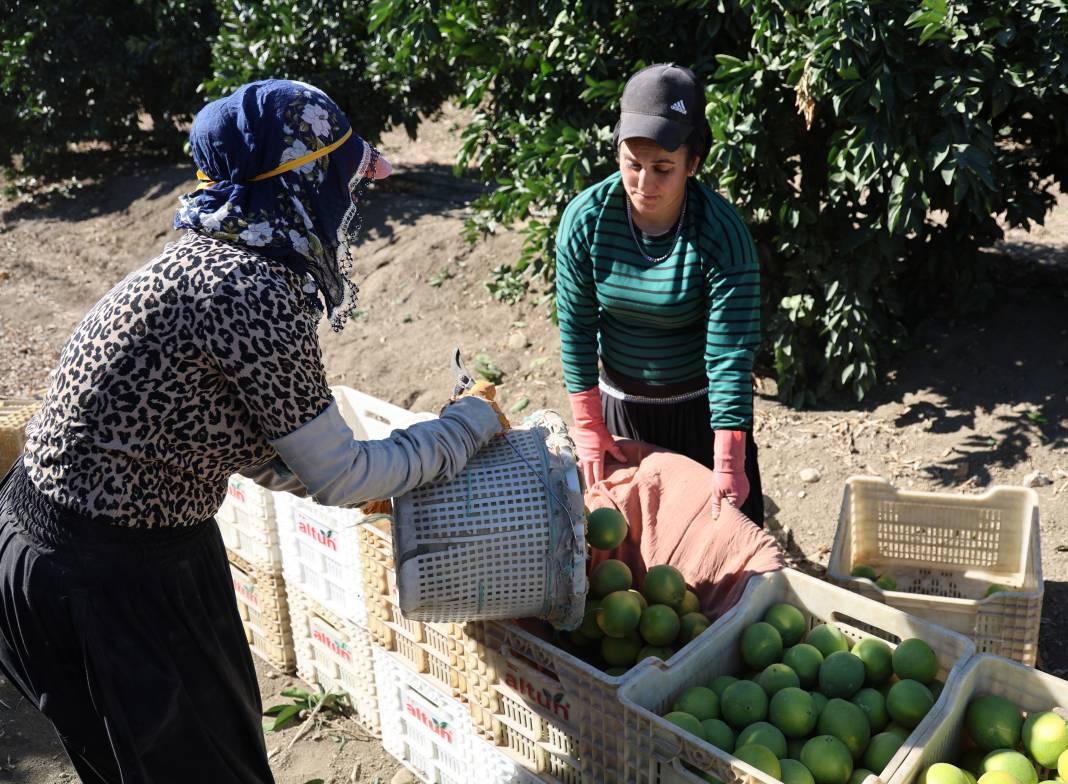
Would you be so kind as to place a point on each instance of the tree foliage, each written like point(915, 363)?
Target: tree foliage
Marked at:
point(873, 146)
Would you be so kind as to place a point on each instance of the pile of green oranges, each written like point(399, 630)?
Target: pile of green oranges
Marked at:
point(1005, 748)
point(811, 709)
point(622, 625)
point(888, 583)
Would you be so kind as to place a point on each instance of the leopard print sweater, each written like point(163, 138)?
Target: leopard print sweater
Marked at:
point(176, 379)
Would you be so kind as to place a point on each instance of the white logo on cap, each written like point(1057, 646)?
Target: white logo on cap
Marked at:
point(679, 106)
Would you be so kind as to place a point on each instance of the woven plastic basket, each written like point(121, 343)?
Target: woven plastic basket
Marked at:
point(504, 539)
point(944, 550)
point(1026, 688)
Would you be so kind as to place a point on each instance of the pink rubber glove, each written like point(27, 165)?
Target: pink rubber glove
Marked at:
point(728, 470)
point(591, 437)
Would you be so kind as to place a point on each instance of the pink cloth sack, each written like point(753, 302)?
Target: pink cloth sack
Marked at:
point(666, 499)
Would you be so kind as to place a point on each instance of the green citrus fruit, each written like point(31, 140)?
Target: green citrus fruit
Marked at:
point(656, 651)
point(690, 626)
point(743, 703)
point(689, 604)
point(659, 625)
point(908, 702)
point(1045, 736)
point(1062, 766)
point(874, 706)
point(881, 750)
point(788, 620)
point(699, 701)
point(970, 776)
point(887, 583)
point(664, 584)
point(760, 758)
point(1012, 762)
point(606, 528)
point(686, 722)
point(998, 777)
point(863, 570)
point(761, 645)
point(793, 711)
point(620, 651)
point(608, 577)
point(847, 722)
point(898, 730)
point(993, 723)
point(793, 772)
point(776, 677)
point(828, 759)
point(719, 734)
point(916, 660)
point(721, 682)
point(590, 628)
point(805, 660)
point(994, 588)
point(619, 614)
point(763, 734)
point(877, 658)
point(827, 639)
point(841, 675)
point(944, 773)
point(859, 774)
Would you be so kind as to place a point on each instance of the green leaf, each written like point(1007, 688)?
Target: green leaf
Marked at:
point(285, 717)
point(519, 405)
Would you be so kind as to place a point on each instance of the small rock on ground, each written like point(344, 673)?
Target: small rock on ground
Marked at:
point(810, 475)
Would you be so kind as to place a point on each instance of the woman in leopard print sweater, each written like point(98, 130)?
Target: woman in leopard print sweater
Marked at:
point(117, 616)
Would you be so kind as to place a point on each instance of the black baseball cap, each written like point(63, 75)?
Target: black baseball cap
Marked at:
point(665, 103)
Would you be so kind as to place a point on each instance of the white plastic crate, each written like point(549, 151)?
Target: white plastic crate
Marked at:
point(1028, 689)
point(944, 550)
point(248, 525)
point(321, 554)
point(264, 607)
point(655, 750)
point(320, 544)
point(426, 730)
point(335, 654)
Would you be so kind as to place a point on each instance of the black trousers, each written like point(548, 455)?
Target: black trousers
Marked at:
point(681, 427)
point(130, 642)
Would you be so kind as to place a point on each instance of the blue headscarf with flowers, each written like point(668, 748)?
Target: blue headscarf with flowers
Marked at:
point(281, 172)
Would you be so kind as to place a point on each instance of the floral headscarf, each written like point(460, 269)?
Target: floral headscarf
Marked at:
point(281, 172)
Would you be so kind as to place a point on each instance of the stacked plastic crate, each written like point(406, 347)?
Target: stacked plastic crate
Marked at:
point(247, 521)
point(321, 565)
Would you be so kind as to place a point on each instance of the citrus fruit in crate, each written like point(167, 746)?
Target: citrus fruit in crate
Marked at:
point(881, 749)
point(865, 571)
point(877, 658)
point(908, 702)
point(720, 683)
point(1012, 762)
point(944, 773)
point(793, 772)
point(608, 577)
point(993, 723)
point(914, 659)
point(788, 621)
point(828, 760)
point(841, 675)
point(859, 774)
point(874, 706)
point(998, 777)
point(691, 625)
point(827, 639)
point(664, 584)
point(794, 712)
point(719, 734)
point(845, 721)
point(743, 703)
point(687, 722)
point(621, 651)
point(776, 677)
point(656, 651)
point(761, 645)
point(606, 528)
point(690, 604)
point(761, 758)
point(659, 625)
point(763, 734)
point(887, 583)
point(699, 701)
point(805, 660)
point(1045, 736)
point(619, 614)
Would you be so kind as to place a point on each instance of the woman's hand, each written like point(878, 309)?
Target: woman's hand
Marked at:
point(591, 437)
point(728, 470)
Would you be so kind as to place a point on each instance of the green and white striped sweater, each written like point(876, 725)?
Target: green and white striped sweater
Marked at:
point(695, 313)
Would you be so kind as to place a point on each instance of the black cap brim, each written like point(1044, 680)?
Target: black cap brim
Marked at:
point(667, 133)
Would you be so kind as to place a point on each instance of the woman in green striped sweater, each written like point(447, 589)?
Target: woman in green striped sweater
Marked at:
point(658, 296)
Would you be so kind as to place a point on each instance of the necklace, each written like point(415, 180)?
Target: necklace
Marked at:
point(634, 234)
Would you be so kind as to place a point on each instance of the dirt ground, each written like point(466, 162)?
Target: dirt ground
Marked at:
point(974, 402)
